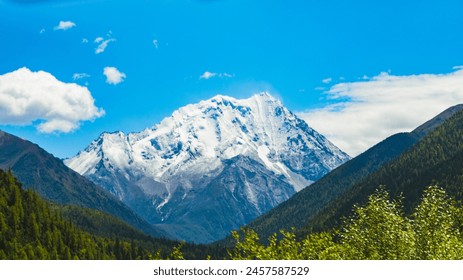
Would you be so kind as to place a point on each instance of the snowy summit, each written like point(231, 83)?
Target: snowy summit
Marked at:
point(164, 168)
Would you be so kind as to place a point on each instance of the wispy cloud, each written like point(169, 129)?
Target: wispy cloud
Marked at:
point(78, 76)
point(103, 45)
point(113, 75)
point(28, 97)
point(84, 40)
point(208, 75)
point(64, 25)
point(156, 43)
point(42, 31)
point(363, 113)
point(226, 75)
point(327, 80)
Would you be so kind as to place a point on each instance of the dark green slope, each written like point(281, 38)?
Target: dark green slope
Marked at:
point(99, 223)
point(32, 228)
point(310, 208)
point(297, 211)
point(435, 159)
point(54, 181)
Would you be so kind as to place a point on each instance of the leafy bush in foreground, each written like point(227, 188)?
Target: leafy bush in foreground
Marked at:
point(378, 230)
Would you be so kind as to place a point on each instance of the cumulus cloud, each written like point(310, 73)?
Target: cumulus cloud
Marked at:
point(207, 75)
point(28, 97)
point(65, 25)
point(363, 113)
point(113, 76)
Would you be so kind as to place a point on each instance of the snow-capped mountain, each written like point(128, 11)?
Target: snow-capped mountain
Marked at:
point(211, 166)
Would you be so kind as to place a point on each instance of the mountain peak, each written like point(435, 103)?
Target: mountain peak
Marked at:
point(262, 97)
point(220, 97)
point(266, 97)
point(189, 156)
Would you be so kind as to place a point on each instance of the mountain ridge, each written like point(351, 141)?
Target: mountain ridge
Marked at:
point(437, 159)
point(54, 181)
point(185, 152)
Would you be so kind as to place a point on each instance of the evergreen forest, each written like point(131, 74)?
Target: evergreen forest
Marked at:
point(31, 228)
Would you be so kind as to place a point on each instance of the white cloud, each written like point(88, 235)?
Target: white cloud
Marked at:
point(28, 97)
point(226, 75)
point(78, 76)
point(156, 43)
point(103, 45)
point(65, 25)
point(113, 76)
point(42, 31)
point(207, 75)
point(98, 39)
point(327, 80)
point(84, 40)
point(365, 112)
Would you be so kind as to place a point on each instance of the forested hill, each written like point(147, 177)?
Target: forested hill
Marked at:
point(299, 209)
point(31, 228)
point(436, 159)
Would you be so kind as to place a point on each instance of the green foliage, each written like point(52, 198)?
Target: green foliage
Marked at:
point(436, 222)
point(316, 246)
point(177, 253)
point(378, 230)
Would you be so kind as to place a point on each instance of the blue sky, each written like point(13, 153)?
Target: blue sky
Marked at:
point(318, 57)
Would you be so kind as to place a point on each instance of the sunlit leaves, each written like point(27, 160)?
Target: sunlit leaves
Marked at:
point(378, 230)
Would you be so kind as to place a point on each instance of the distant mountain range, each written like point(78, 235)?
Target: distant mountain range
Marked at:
point(404, 163)
point(210, 167)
